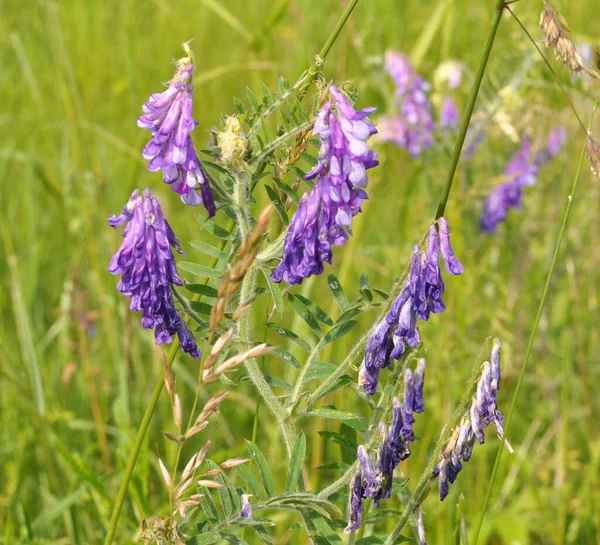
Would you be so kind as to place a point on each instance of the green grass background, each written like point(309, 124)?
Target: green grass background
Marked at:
point(74, 74)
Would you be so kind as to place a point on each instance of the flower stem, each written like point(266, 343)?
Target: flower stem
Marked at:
point(337, 29)
point(141, 433)
point(538, 317)
point(464, 126)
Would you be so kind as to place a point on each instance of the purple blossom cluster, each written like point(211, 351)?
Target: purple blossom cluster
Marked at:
point(412, 127)
point(324, 215)
point(147, 268)
point(482, 412)
point(420, 295)
point(168, 115)
point(521, 171)
point(448, 76)
point(374, 479)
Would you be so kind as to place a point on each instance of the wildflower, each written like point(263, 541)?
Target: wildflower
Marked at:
point(482, 412)
point(521, 171)
point(168, 116)
point(420, 295)
point(376, 479)
point(555, 31)
point(147, 268)
point(449, 114)
point(356, 504)
point(324, 215)
point(246, 512)
point(412, 127)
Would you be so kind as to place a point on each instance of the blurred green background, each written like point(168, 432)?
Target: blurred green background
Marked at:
point(77, 368)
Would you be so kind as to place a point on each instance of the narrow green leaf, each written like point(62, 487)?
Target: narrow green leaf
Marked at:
point(263, 467)
point(283, 85)
point(250, 479)
point(206, 538)
point(284, 332)
point(260, 530)
point(199, 270)
point(279, 208)
point(240, 105)
point(227, 493)
point(297, 171)
point(266, 93)
point(285, 355)
point(201, 307)
point(338, 292)
point(296, 461)
point(233, 539)
point(315, 310)
point(340, 383)
point(348, 314)
point(319, 370)
point(254, 522)
point(275, 293)
point(338, 331)
point(381, 293)
point(208, 249)
point(298, 305)
point(252, 99)
point(371, 540)
point(212, 227)
point(365, 289)
point(208, 505)
point(312, 161)
point(338, 438)
point(287, 190)
point(331, 413)
point(278, 383)
point(202, 289)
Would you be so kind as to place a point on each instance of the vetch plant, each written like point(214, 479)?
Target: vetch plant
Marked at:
point(316, 131)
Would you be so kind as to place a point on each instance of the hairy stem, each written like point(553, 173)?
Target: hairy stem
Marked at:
point(464, 125)
point(538, 317)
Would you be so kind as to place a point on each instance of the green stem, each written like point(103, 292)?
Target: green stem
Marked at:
point(135, 451)
point(337, 28)
point(532, 338)
point(464, 126)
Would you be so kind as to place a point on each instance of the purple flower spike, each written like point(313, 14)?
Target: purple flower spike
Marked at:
point(453, 265)
point(371, 478)
point(356, 504)
point(168, 116)
point(147, 268)
point(412, 128)
point(324, 215)
point(521, 171)
point(420, 295)
point(482, 412)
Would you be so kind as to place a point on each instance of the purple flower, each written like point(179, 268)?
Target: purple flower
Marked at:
point(147, 268)
point(420, 295)
point(412, 127)
point(324, 215)
point(377, 478)
point(168, 116)
point(449, 114)
point(246, 511)
point(356, 505)
point(482, 412)
point(521, 171)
